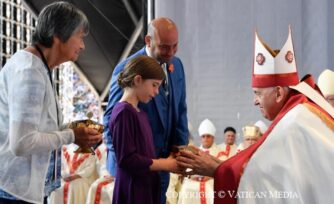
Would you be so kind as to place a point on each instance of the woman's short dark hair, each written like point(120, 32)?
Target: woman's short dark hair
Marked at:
point(60, 19)
point(145, 66)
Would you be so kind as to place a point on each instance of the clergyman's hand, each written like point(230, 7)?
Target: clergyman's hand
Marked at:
point(201, 163)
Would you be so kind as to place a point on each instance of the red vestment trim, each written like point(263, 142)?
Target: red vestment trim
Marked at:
point(227, 175)
point(73, 165)
point(99, 190)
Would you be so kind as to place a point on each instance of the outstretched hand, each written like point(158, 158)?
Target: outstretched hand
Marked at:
point(201, 163)
point(171, 165)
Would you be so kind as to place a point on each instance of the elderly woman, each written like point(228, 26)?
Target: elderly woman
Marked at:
point(30, 124)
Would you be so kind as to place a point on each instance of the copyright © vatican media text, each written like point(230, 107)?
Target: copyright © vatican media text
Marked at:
point(239, 194)
point(262, 194)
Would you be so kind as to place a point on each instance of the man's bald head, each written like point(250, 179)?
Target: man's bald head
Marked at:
point(162, 39)
point(161, 25)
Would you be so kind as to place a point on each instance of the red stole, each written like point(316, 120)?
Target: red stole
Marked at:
point(227, 175)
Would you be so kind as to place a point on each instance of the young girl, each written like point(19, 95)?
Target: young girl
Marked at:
point(137, 179)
